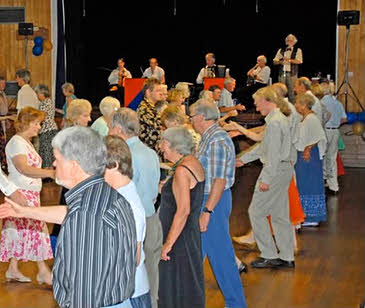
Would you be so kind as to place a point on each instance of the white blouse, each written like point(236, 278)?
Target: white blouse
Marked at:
point(19, 146)
point(310, 132)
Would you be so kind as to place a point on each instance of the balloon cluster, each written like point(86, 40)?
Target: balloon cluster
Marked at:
point(39, 44)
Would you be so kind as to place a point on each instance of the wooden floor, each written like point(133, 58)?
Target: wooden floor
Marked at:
point(329, 269)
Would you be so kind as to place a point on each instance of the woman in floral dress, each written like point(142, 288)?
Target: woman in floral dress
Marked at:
point(26, 239)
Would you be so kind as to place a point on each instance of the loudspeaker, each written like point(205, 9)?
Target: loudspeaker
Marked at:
point(11, 88)
point(25, 28)
point(347, 18)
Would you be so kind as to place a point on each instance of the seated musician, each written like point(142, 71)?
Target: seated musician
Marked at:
point(209, 71)
point(257, 77)
point(116, 80)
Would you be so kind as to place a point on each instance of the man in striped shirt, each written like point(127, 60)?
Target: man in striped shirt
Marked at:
point(95, 260)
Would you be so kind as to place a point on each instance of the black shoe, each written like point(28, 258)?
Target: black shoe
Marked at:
point(265, 263)
point(242, 268)
point(289, 264)
point(331, 192)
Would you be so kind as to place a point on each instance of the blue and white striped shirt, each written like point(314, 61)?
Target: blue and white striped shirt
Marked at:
point(217, 155)
point(95, 259)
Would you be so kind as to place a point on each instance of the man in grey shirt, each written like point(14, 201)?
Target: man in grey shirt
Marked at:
point(271, 191)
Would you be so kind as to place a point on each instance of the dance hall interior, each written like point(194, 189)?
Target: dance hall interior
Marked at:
point(182, 154)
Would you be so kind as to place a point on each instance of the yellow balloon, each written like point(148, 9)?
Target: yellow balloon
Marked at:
point(47, 45)
point(358, 128)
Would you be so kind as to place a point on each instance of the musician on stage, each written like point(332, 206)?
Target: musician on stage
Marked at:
point(289, 58)
point(257, 77)
point(116, 81)
point(209, 71)
point(154, 71)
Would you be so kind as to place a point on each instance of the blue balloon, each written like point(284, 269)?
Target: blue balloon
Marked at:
point(38, 40)
point(352, 117)
point(37, 50)
point(361, 117)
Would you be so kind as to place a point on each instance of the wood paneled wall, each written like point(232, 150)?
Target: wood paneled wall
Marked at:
point(12, 47)
point(356, 55)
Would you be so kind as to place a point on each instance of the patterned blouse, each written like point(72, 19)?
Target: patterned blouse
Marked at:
point(150, 122)
point(49, 123)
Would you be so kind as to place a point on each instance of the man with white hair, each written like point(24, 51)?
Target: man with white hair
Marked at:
point(289, 58)
point(226, 103)
point(95, 259)
point(26, 95)
point(210, 70)
point(217, 155)
point(124, 123)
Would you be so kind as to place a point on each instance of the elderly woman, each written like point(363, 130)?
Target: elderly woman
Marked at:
point(172, 116)
point(311, 146)
point(26, 239)
point(68, 90)
point(181, 266)
point(78, 113)
point(49, 127)
point(107, 106)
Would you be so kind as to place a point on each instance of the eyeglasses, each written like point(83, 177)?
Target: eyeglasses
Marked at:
point(192, 116)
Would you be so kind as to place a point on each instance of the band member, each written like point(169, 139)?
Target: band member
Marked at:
point(289, 59)
point(154, 71)
point(257, 77)
point(210, 70)
point(116, 81)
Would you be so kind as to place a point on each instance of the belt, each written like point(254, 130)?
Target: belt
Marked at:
point(331, 127)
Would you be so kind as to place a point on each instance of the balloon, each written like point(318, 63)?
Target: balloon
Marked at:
point(38, 40)
point(358, 128)
point(47, 45)
point(361, 117)
point(352, 117)
point(37, 50)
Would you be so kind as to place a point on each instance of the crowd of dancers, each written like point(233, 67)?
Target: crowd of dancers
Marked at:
point(146, 194)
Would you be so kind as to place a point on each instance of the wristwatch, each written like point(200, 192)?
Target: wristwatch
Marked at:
point(207, 210)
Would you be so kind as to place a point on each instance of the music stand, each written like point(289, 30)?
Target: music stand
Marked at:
point(347, 18)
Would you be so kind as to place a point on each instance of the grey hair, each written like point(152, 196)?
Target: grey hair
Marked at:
point(262, 57)
point(180, 140)
point(24, 74)
point(229, 80)
point(306, 82)
point(293, 36)
point(127, 120)
point(210, 54)
point(207, 108)
point(42, 89)
point(84, 146)
point(184, 87)
point(306, 99)
point(108, 105)
point(326, 88)
point(206, 94)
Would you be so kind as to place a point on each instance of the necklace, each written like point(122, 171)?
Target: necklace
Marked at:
point(177, 163)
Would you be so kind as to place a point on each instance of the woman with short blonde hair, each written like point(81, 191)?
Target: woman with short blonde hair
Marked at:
point(78, 113)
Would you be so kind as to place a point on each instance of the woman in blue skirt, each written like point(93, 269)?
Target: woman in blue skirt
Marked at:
point(311, 146)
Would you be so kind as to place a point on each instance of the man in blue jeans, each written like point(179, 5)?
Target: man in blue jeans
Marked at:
point(217, 156)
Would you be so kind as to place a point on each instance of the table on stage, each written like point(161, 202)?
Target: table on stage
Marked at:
point(213, 81)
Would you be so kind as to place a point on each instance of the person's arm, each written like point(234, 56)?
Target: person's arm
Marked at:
point(21, 164)
point(232, 113)
point(238, 107)
point(181, 191)
point(214, 197)
point(248, 133)
point(163, 80)
point(199, 79)
point(51, 214)
point(138, 255)
point(250, 72)
point(113, 77)
point(278, 58)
